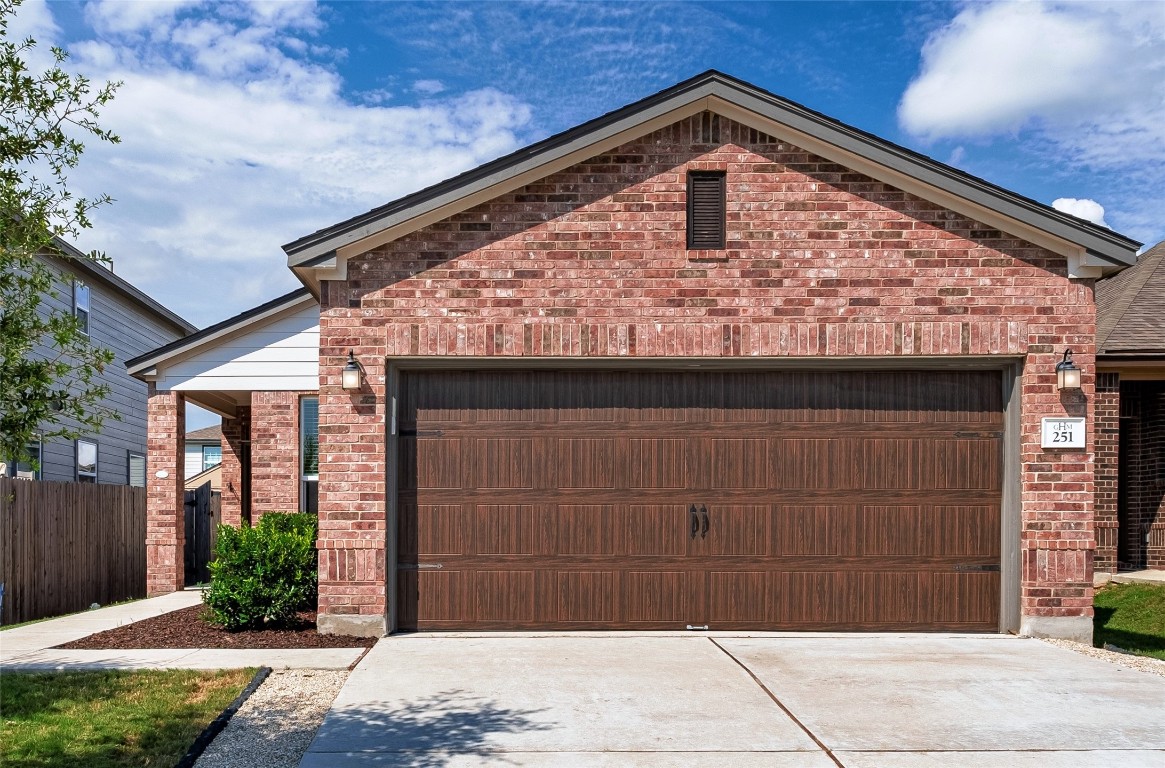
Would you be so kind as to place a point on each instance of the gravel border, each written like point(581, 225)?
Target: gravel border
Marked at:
point(1139, 663)
point(276, 725)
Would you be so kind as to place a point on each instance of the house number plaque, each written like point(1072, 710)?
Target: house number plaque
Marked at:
point(1062, 433)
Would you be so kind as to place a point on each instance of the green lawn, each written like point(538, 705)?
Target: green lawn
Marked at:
point(1131, 616)
point(109, 719)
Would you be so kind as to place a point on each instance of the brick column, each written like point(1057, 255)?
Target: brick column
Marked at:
point(1106, 454)
point(235, 432)
point(165, 523)
point(274, 453)
point(353, 528)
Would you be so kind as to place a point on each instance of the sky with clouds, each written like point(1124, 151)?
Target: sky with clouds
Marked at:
point(247, 125)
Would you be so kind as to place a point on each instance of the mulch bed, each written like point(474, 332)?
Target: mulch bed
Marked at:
point(186, 628)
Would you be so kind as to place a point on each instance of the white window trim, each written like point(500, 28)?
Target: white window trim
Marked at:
point(87, 309)
point(305, 478)
point(130, 456)
point(77, 475)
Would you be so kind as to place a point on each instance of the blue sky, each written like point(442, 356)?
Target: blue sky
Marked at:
point(248, 125)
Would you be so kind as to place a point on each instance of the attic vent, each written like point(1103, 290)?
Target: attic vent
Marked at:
point(706, 210)
point(709, 128)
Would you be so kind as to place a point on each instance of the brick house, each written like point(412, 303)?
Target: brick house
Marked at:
point(1130, 416)
point(712, 359)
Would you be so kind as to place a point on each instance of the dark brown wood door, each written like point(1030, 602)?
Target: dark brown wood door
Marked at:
point(636, 500)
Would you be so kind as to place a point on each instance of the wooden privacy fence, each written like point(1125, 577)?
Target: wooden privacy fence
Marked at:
point(66, 546)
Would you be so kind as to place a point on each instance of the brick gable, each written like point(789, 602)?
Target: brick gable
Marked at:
point(591, 262)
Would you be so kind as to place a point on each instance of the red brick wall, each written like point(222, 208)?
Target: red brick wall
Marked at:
point(1107, 467)
point(235, 433)
point(1143, 476)
point(165, 522)
point(275, 474)
point(591, 262)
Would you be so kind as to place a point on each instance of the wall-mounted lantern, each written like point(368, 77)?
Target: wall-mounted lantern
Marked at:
point(352, 377)
point(1067, 374)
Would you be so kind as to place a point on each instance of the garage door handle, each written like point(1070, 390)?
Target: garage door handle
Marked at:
point(704, 533)
point(695, 518)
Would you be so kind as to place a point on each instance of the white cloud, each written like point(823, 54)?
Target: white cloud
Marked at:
point(237, 136)
point(428, 86)
point(1083, 79)
point(1086, 209)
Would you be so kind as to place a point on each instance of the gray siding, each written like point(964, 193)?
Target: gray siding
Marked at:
point(128, 329)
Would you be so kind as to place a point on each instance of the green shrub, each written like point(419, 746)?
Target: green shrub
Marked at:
point(263, 575)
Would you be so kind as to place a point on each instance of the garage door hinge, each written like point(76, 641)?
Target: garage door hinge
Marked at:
point(978, 568)
point(978, 435)
point(419, 566)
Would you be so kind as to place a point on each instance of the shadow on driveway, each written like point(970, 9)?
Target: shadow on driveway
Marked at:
point(429, 733)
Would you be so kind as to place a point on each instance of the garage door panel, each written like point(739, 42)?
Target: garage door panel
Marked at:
point(583, 529)
point(585, 597)
point(969, 531)
point(820, 529)
point(440, 596)
point(892, 463)
point(737, 463)
point(439, 530)
point(817, 463)
point(655, 530)
point(657, 463)
point(503, 597)
point(505, 529)
point(966, 599)
point(658, 597)
point(438, 462)
point(738, 597)
point(893, 530)
point(972, 464)
point(501, 462)
point(803, 599)
point(737, 530)
point(587, 462)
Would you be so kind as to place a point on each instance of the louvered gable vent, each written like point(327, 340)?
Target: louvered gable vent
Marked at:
point(706, 195)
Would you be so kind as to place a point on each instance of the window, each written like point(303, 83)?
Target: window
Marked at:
point(81, 305)
point(136, 474)
point(86, 462)
point(309, 454)
point(706, 210)
point(211, 456)
point(26, 470)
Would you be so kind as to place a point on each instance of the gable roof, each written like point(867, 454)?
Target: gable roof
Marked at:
point(211, 433)
point(74, 259)
point(140, 366)
point(1130, 307)
point(1093, 245)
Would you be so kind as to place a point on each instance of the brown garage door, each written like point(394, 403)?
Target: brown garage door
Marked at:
point(633, 500)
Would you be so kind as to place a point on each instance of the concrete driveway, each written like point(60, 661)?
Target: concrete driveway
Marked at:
point(721, 700)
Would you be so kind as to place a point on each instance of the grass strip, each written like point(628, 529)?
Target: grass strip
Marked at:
point(1132, 617)
point(112, 718)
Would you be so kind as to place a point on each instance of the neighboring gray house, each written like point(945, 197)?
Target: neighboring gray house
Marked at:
point(128, 322)
point(203, 450)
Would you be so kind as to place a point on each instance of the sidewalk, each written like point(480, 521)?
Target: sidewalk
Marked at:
point(1101, 578)
point(30, 648)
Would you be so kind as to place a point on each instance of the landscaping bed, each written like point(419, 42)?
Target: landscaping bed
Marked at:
point(186, 628)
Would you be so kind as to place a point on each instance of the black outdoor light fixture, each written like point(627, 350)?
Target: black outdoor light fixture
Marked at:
point(1067, 374)
point(352, 376)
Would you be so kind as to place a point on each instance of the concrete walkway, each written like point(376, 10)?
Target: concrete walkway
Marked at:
point(869, 701)
point(30, 648)
point(1100, 578)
